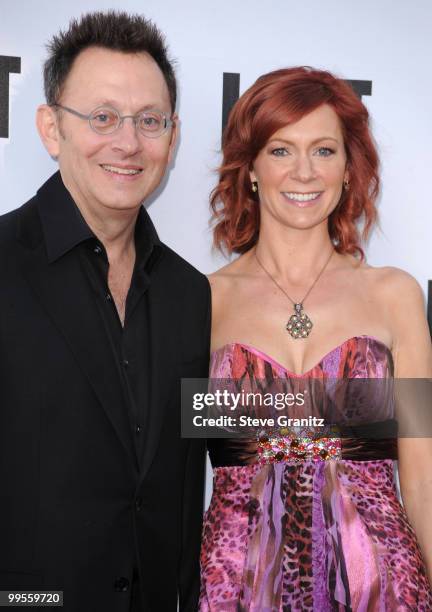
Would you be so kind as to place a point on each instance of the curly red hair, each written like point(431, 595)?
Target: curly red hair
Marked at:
point(275, 100)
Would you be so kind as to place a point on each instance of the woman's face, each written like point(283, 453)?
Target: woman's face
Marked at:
point(301, 170)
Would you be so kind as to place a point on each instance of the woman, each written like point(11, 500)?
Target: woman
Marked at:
point(300, 526)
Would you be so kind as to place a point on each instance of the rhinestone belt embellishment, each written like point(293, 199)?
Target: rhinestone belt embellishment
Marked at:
point(275, 448)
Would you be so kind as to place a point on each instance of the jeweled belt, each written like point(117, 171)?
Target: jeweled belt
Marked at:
point(367, 442)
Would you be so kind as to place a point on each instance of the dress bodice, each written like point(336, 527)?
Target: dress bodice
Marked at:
point(357, 357)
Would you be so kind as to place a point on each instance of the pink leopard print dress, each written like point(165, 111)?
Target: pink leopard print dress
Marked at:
point(309, 535)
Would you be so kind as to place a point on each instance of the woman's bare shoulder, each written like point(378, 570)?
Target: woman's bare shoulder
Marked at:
point(402, 300)
point(393, 283)
point(228, 276)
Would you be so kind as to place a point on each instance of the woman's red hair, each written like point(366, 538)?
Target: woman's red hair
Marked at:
point(275, 100)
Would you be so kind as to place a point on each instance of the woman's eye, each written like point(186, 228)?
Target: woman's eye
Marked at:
point(325, 151)
point(280, 152)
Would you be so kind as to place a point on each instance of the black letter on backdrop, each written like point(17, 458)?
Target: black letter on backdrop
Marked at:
point(230, 94)
point(7, 65)
point(362, 88)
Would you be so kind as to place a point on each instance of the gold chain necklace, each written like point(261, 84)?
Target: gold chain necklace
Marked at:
point(299, 324)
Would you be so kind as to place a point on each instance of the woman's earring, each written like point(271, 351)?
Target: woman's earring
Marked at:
point(254, 186)
point(346, 184)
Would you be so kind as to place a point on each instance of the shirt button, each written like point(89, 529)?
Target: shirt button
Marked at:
point(97, 250)
point(138, 429)
point(138, 503)
point(125, 363)
point(121, 585)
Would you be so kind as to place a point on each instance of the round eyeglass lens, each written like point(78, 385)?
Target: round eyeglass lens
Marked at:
point(151, 123)
point(104, 120)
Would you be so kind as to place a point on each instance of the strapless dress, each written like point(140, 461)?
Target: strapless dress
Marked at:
point(301, 532)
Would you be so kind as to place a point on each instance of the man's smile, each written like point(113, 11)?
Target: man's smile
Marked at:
point(129, 170)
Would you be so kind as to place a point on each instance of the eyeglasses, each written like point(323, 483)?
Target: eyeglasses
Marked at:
point(106, 120)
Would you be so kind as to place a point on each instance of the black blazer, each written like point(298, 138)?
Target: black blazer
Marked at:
point(77, 509)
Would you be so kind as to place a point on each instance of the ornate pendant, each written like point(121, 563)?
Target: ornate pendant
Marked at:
point(299, 324)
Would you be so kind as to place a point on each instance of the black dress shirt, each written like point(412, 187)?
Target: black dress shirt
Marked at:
point(66, 231)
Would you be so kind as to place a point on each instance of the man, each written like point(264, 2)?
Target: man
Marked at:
point(100, 497)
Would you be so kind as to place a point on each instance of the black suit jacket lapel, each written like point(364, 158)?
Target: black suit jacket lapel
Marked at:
point(66, 294)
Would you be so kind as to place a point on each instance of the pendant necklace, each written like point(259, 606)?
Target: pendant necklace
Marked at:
point(299, 324)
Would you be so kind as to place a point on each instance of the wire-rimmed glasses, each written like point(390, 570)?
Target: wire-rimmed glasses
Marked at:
point(106, 120)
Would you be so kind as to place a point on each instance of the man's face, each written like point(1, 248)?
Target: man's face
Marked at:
point(91, 164)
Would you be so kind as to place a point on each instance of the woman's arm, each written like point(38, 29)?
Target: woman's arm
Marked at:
point(412, 352)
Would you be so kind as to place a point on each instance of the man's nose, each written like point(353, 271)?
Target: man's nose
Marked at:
point(126, 137)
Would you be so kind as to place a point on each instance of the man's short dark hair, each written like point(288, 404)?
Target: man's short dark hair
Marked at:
point(113, 30)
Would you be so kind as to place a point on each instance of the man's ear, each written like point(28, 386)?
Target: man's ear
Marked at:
point(174, 136)
point(48, 128)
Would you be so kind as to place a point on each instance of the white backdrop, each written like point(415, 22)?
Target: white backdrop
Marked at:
point(387, 42)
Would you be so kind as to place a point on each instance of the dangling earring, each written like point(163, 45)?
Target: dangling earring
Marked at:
point(254, 186)
point(346, 184)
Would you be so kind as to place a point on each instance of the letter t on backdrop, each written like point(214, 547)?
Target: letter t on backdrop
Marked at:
point(8, 65)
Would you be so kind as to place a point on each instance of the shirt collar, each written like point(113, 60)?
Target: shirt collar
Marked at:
point(64, 227)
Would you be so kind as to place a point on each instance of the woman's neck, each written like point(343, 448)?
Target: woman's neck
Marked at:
point(294, 255)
